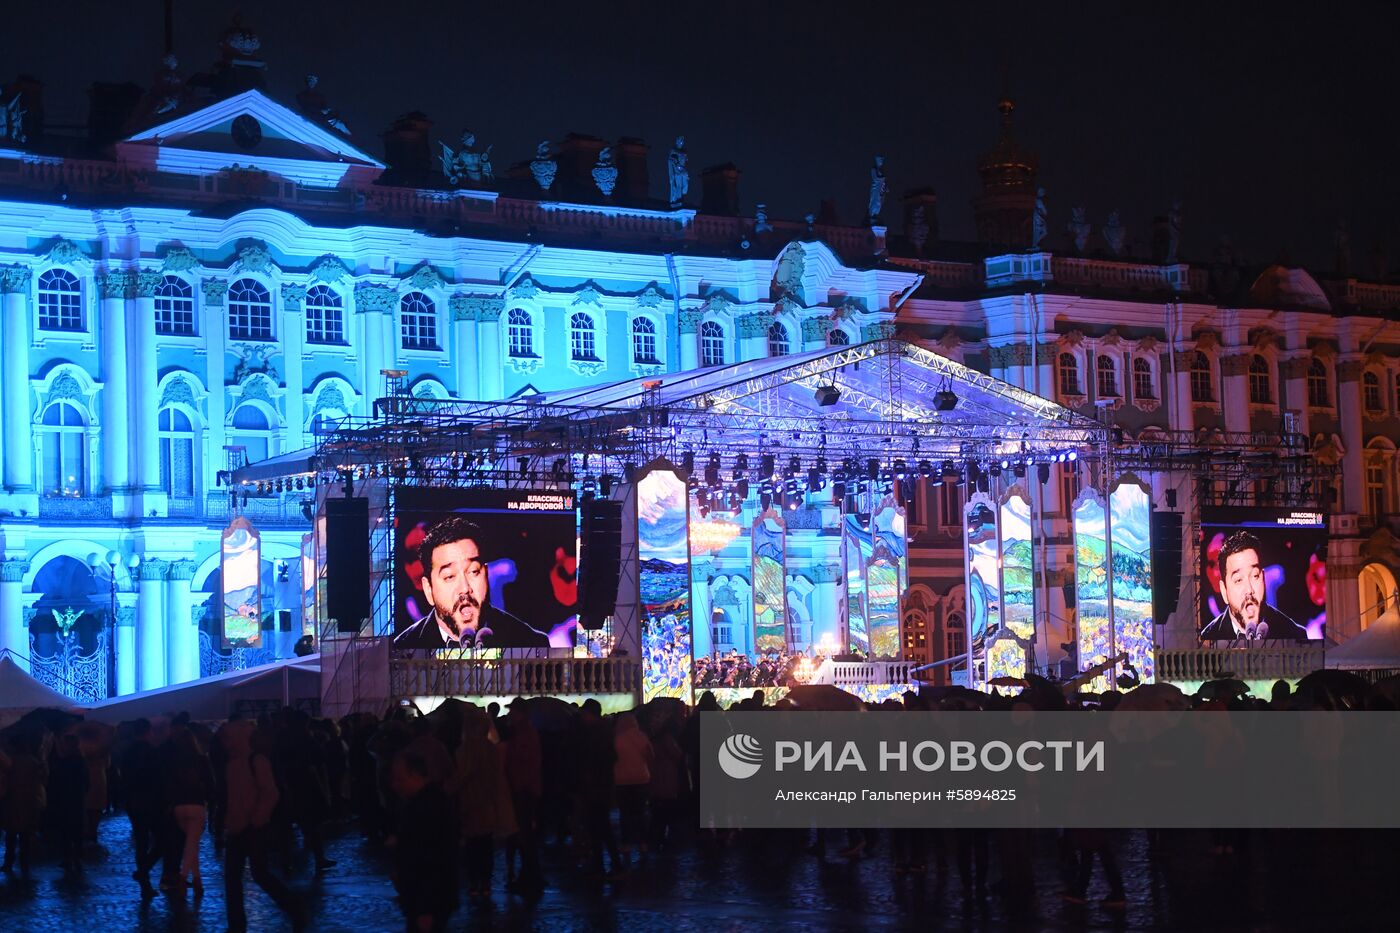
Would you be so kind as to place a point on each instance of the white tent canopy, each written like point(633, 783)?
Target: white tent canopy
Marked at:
point(1377, 648)
point(20, 693)
point(215, 697)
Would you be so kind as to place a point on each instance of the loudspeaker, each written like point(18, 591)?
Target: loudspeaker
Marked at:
point(284, 620)
point(827, 395)
point(347, 563)
point(1166, 564)
point(600, 561)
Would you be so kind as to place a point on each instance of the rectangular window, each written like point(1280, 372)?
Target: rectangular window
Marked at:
point(950, 505)
point(177, 466)
point(174, 316)
point(324, 325)
point(249, 321)
point(419, 330)
point(1375, 489)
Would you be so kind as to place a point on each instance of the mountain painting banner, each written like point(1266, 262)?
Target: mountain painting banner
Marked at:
point(663, 554)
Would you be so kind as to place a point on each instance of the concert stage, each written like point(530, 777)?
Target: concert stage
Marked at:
point(748, 516)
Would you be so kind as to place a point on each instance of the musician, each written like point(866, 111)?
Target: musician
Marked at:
point(458, 587)
point(1246, 615)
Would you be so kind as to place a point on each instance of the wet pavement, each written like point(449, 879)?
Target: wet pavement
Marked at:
point(1293, 881)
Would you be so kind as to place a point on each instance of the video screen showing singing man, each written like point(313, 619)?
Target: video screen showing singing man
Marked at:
point(1247, 617)
point(457, 585)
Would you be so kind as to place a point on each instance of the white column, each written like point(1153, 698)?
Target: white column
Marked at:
point(116, 409)
point(13, 634)
point(181, 632)
point(293, 333)
point(150, 625)
point(1349, 414)
point(19, 433)
point(753, 336)
point(144, 400)
point(126, 650)
point(215, 331)
point(689, 325)
point(488, 342)
point(464, 314)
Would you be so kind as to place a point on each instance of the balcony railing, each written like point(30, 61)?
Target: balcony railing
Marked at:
point(863, 673)
point(513, 676)
point(1268, 662)
point(75, 508)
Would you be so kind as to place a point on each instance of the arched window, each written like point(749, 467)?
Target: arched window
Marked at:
point(325, 316)
point(1261, 391)
point(955, 630)
point(417, 322)
point(644, 340)
point(582, 339)
point(174, 302)
point(1371, 392)
point(62, 443)
point(778, 342)
point(252, 431)
point(1201, 388)
point(249, 311)
point(60, 301)
point(711, 344)
point(1069, 374)
point(1142, 379)
point(837, 337)
point(176, 453)
point(1107, 377)
point(520, 330)
point(1318, 394)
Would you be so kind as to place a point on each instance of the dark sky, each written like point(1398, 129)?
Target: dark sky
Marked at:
point(1271, 125)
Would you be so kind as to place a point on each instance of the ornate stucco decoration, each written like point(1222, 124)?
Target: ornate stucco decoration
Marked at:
point(589, 294)
point(214, 291)
point(476, 307)
point(177, 391)
point(375, 298)
point(293, 295)
point(254, 359)
point(329, 269)
point(526, 288)
point(64, 252)
point(651, 297)
point(253, 256)
point(178, 259)
point(424, 277)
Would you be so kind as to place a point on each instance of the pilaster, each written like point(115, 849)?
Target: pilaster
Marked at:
point(150, 625)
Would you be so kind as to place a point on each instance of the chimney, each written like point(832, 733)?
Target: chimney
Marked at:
point(110, 108)
point(577, 156)
point(719, 190)
point(407, 149)
point(630, 157)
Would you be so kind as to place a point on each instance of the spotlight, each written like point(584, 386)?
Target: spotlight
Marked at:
point(1042, 473)
point(794, 466)
point(925, 468)
point(1006, 464)
point(768, 466)
point(901, 469)
point(712, 471)
point(821, 464)
point(688, 462)
point(308, 510)
point(814, 480)
point(523, 463)
point(827, 395)
point(838, 492)
point(742, 488)
point(741, 466)
point(589, 487)
point(994, 469)
point(1020, 469)
point(1073, 456)
point(765, 501)
point(872, 468)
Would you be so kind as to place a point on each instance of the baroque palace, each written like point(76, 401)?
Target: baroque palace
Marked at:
point(208, 274)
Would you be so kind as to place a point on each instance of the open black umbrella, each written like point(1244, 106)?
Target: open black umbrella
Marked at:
point(826, 697)
point(1347, 688)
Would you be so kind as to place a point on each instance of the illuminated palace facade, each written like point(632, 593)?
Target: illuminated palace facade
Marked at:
point(211, 272)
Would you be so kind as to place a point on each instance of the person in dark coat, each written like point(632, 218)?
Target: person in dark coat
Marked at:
point(597, 754)
point(424, 846)
point(144, 785)
point(68, 786)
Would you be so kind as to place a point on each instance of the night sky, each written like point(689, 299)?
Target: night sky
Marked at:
point(1271, 126)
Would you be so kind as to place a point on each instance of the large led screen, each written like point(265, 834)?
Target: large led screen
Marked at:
point(1130, 510)
point(484, 569)
point(769, 584)
point(858, 546)
point(663, 553)
point(1091, 587)
point(1017, 567)
point(1263, 575)
point(886, 579)
point(240, 562)
point(983, 579)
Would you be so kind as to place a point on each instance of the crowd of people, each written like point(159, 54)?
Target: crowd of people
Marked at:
point(452, 795)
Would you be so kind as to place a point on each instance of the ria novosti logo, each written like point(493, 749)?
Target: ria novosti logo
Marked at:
point(740, 756)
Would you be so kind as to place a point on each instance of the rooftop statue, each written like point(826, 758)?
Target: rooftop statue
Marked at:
point(676, 164)
point(543, 167)
point(1079, 229)
point(169, 86)
point(313, 103)
point(1174, 232)
point(604, 172)
point(760, 220)
point(12, 116)
point(466, 164)
point(1115, 234)
point(1040, 220)
point(878, 189)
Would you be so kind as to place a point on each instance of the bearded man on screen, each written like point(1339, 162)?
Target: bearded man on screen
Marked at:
point(458, 587)
point(1246, 615)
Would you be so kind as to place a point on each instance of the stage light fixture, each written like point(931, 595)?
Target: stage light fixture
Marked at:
point(768, 467)
point(821, 464)
point(901, 469)
point(925, 468)
point(838, 491)
point(794, 466)
point(742, 488)
point(1020, 469)
point(945, 400)
point(827, 395)
point(629, 471)
point(814, 479)
point(741, 466)
point(872, 468)
point(308, 510)
point(994, 469)
point(523, 464)
point(1006, 464)
point(688, 462)
point(605, 484)
point(765, 501)
point(1042, 473)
